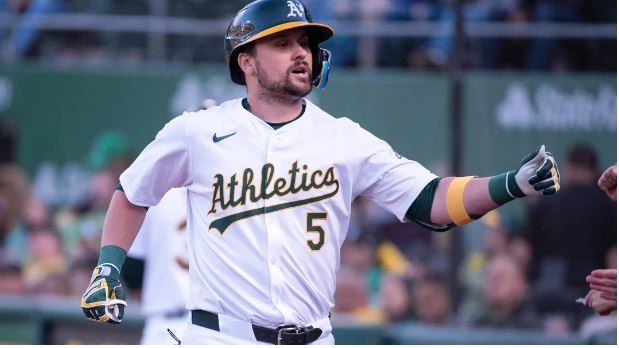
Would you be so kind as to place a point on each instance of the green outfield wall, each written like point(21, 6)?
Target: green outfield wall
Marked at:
point(58, 112)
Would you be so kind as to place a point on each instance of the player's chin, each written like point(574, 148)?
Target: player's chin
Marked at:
point(302, 81)
point(299, 88)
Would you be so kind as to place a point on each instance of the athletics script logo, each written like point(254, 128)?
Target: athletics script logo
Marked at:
point(300, 181)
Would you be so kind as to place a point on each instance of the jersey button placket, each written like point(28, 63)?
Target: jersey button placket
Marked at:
point(273, 236)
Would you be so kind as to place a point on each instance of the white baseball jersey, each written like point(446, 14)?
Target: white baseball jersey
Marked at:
point(269, 209)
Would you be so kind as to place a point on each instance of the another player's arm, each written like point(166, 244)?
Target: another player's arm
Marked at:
point(163, 164)
point(456, 201)
point(608, 182)
point(104, 298)
point(598, 303)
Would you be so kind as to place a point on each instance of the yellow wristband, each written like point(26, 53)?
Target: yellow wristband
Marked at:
point(455, 201)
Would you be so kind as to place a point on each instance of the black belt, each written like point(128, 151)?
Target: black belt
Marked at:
point(287, 334)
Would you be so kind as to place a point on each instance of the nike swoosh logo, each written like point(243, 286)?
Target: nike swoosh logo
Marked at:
point(217, 139)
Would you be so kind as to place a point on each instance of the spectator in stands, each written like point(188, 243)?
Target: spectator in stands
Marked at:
point(571, 236)
point(494, 241)
point(430, 300)
point(36, 215)
point(109, 156)
point(352, 300)
point(14, 195)
point(412, 52)
point(543, 51)
point(360, 256)
point(435, 52)
point(395, 299)
point(345, 46)
point(595, 55)
point(26, 34)
point(382, 258)
point(79, 273)
point(11, 279)
point(45, 270)
point(505, 297)
point(110, 153)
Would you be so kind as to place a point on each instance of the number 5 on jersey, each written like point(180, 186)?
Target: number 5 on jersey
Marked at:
point(311, 227)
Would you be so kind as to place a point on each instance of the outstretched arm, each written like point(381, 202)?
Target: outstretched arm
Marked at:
point(461, 200)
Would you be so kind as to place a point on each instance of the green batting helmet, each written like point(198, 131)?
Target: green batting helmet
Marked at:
point(266, 17)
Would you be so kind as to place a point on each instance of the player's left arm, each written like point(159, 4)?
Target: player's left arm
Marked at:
point(460, 200)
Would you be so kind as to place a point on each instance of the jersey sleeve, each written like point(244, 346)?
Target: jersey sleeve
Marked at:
point(162, 165)
point(388, 179)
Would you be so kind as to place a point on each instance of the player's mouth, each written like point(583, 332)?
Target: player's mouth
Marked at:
point(300, 71)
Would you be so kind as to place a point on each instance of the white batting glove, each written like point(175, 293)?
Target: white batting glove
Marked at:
point(538, 174)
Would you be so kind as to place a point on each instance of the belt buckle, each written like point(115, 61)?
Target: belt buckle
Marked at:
point(288, 329)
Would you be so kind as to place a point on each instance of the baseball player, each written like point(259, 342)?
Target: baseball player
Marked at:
point(162, 244)
point(270, 179)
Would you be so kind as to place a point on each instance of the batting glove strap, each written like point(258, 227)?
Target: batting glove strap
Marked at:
point(105, 270)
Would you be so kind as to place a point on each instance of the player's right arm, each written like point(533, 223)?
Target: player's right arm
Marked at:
point(162, 165)
point(122, 222)
point(104, 298)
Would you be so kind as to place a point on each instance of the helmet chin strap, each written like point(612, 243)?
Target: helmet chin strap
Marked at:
point(322, 78)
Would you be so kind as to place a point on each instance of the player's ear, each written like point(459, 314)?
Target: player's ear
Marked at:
point(247, 63)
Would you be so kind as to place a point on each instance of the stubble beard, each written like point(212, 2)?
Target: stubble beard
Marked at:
point(283, 90)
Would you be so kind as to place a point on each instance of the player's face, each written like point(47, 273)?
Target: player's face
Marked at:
point(284, 63)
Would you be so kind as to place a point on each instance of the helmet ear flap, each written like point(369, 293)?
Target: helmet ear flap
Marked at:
point(322, 64)
point(236, 73)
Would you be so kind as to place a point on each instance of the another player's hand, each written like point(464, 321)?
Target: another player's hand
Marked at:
point(604, 281)
point(538, 174)
point(104, 298)
point(600, 305)
point(608, 182)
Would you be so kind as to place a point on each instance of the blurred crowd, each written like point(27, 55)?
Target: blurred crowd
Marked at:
point(524, 276)
point(516, 276)
point(49, 249)
point(24, 41)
